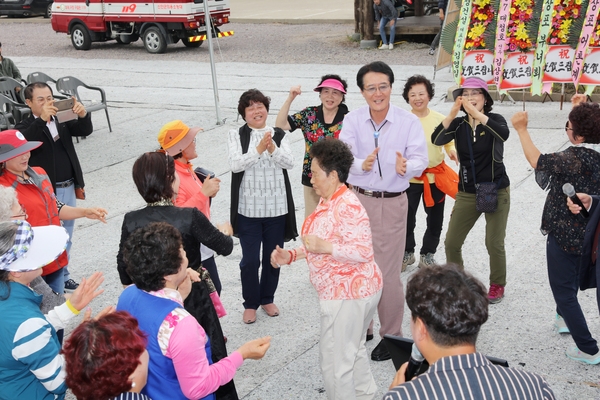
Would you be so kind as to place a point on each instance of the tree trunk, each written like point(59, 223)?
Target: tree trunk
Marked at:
point(356, 16)
point(363, 15)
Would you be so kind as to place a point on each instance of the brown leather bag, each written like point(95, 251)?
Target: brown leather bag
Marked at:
point(80, 193)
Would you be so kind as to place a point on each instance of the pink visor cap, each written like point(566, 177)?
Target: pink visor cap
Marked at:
point(331, 83)
point(474, 82)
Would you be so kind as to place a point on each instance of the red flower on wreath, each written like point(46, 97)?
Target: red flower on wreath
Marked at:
point(565, 11)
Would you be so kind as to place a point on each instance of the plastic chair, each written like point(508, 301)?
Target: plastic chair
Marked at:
point(42, 77)
point(11, 113)
point(8, 87)
point(70, 85)
point(39, 77)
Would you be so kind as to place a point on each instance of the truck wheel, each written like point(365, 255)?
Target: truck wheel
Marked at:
point(154, 41)
point(123, 39)
point(187, 43)
point(80, 37)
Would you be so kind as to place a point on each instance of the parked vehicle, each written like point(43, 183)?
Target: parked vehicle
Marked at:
point(26, 8)
point(157, 23)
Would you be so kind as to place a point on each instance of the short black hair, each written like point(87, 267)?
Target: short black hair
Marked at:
point(415, 80)
point(376, 66)
point(585, 120)
point(337, 78)
point(249, 97)
point(333, 155)
point(452, 304)
point(153, 175)
point(28, 92)
point(151, 253)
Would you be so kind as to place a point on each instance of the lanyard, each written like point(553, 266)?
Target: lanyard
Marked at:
point(376, 136)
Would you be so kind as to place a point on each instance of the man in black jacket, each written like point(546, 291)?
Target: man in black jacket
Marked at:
point(57, 154)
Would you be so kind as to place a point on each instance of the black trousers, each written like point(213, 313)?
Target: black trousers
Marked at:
point(435, 218)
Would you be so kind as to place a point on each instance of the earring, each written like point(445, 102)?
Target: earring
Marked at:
point(132, 384)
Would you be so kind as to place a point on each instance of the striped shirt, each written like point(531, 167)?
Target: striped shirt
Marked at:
point(472, 376)
point(262, 192)
point(131, 396)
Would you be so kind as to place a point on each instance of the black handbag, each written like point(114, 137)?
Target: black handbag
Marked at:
point(486, 193)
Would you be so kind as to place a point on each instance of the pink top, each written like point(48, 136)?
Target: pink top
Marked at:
point(350, 272)
point(190, 189)
point(182, 339)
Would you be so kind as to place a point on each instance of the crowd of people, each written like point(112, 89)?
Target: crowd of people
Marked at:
point(365, 172)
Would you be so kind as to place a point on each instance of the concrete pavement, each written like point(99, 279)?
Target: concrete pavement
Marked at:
point(141, 99)
point(520, 328)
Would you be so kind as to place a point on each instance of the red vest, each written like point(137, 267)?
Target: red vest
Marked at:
point(39, 202)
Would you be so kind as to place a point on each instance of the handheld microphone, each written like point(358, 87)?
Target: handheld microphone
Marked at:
point(414, 363)
point(569, 190)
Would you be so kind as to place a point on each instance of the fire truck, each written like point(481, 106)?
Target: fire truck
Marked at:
point(157, 22)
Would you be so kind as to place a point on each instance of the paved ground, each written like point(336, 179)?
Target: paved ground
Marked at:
point(146, 94)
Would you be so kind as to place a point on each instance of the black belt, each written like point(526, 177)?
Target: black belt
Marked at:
point(65, 184)
point(379, 195)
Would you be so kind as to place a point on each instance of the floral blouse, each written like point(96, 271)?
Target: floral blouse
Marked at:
point(310, 121)
point(350, 272)
point(579, 166)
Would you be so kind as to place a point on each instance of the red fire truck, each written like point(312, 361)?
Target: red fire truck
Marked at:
point(157, 22)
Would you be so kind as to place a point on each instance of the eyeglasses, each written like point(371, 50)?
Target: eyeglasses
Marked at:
point(567, 127)
point(472, 93)
point(21, 214)
point(381, 88)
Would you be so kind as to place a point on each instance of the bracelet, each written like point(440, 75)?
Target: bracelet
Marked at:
point(291, 257)
point(295, 254)
point(72, 308)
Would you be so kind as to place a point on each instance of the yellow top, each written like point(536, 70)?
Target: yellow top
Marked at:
point(435, 153)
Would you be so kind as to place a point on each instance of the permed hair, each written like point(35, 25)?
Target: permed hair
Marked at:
point(249, 97)
point(151, 253)
point(415, 80)
point(451, 303)
point(153, 175)
point(7, 199)
point(585, 120)
point(102, 354)
point(333, 155)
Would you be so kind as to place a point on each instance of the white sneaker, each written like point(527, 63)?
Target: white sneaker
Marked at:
point(384, 47)
point(560, 324)
point(391, 46)
point(575, 354)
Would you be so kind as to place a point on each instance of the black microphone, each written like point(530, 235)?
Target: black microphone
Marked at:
point(414, 363)
point(569, 190)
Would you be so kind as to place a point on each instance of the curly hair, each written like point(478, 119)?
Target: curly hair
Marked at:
point(376, 66)
point(585, 120)
point(102, 354)
point(337, 78)
point(8, 233)
point(333, 155)
point(451, 303)
point(8, 197)
point(154, 174)
point(415, 80)
point(151, 253)
point(249, 97)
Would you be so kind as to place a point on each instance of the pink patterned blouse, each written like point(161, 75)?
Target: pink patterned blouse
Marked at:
point(350, 272)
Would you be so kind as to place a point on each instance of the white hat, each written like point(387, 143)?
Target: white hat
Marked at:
point(34, 247)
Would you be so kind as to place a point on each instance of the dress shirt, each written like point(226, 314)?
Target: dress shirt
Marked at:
point(400, 131)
